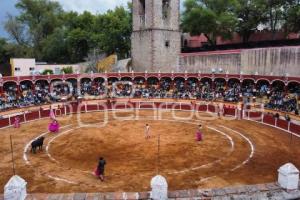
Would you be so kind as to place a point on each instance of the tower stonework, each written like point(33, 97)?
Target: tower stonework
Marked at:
point(156, 35)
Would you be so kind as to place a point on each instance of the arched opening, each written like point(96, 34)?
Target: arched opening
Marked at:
point(263, 87)
point(42, 88)
point(112, 80)
point(98, 86)
point(99, 80)
point(126, 79)
point(220, 84)
point(55, 89)
point(206, 81)
point(206, 89)
point(192, 84)
point(56, 80)
point(26, 85)
point(10, 87)
point(293, 96)
point(152, 81)
point(278, 86)
point(73, 86)
point(139, 84)
point(73, 81)
point(248, 88)
point(122, 89)
point(41, 85)
point(10, 95)
point(294, 88)
point(139, 81)
point(233, 82)
point(86, 86)
point(179, 83)
point(27, 95)
point(165, 84)
point(280, 100)
point(61, 90)
point(233, 90)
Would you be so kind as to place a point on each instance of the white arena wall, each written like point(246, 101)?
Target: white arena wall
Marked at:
point(277, 61)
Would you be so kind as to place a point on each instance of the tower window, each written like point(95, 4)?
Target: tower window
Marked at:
point(142, 9)
point(167, 43)
point(165, 8)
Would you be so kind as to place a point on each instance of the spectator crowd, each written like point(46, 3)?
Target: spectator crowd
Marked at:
point(274, 97)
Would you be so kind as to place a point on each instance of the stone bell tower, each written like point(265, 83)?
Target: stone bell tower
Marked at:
point(156, 36)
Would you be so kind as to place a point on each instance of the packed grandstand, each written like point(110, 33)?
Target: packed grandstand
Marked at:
point(275, 95)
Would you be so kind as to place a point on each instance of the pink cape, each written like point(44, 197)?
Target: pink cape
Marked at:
point(96, 172)
point(53, 127)
point(198, 136)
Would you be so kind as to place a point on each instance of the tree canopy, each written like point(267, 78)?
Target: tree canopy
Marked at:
point(45, 31)
point(223, 17)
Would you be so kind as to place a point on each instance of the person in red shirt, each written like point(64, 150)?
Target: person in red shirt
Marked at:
point(101, 168)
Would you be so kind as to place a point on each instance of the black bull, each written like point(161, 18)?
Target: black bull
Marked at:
point(38, 143)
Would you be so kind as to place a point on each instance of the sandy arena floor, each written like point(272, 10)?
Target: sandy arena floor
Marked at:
point(232, 153)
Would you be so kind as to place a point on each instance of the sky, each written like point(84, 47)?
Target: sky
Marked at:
point(7, 6)
point(94, 6)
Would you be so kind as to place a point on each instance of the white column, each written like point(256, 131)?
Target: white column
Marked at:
point(15, 189)
point(159, 188)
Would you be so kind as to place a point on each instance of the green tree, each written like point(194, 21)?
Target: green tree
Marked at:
point(211, 17)
point(250, 14)
point(3, 51)
point(46, 32)
point(112, 32)
point(67, 70)
point(12, 50)
point(77, 43)
point(55, 47)
point(41, 17)
point(292, 23)
point(15, 29)
point(47, 71)
point(275, 13)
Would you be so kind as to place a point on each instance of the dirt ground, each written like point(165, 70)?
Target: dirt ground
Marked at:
point(232, 153)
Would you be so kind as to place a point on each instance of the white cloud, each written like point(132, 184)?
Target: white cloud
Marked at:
point(93, 6)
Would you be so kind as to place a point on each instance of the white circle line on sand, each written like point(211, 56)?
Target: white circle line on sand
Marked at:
point(182, 171)
point(196, 122)
point(249, 142)
point(25, 158)
point(173, 172)
point(61, 179)
point(214, 162)
point(28, 163)
point(240, 165)
point(52, 139)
